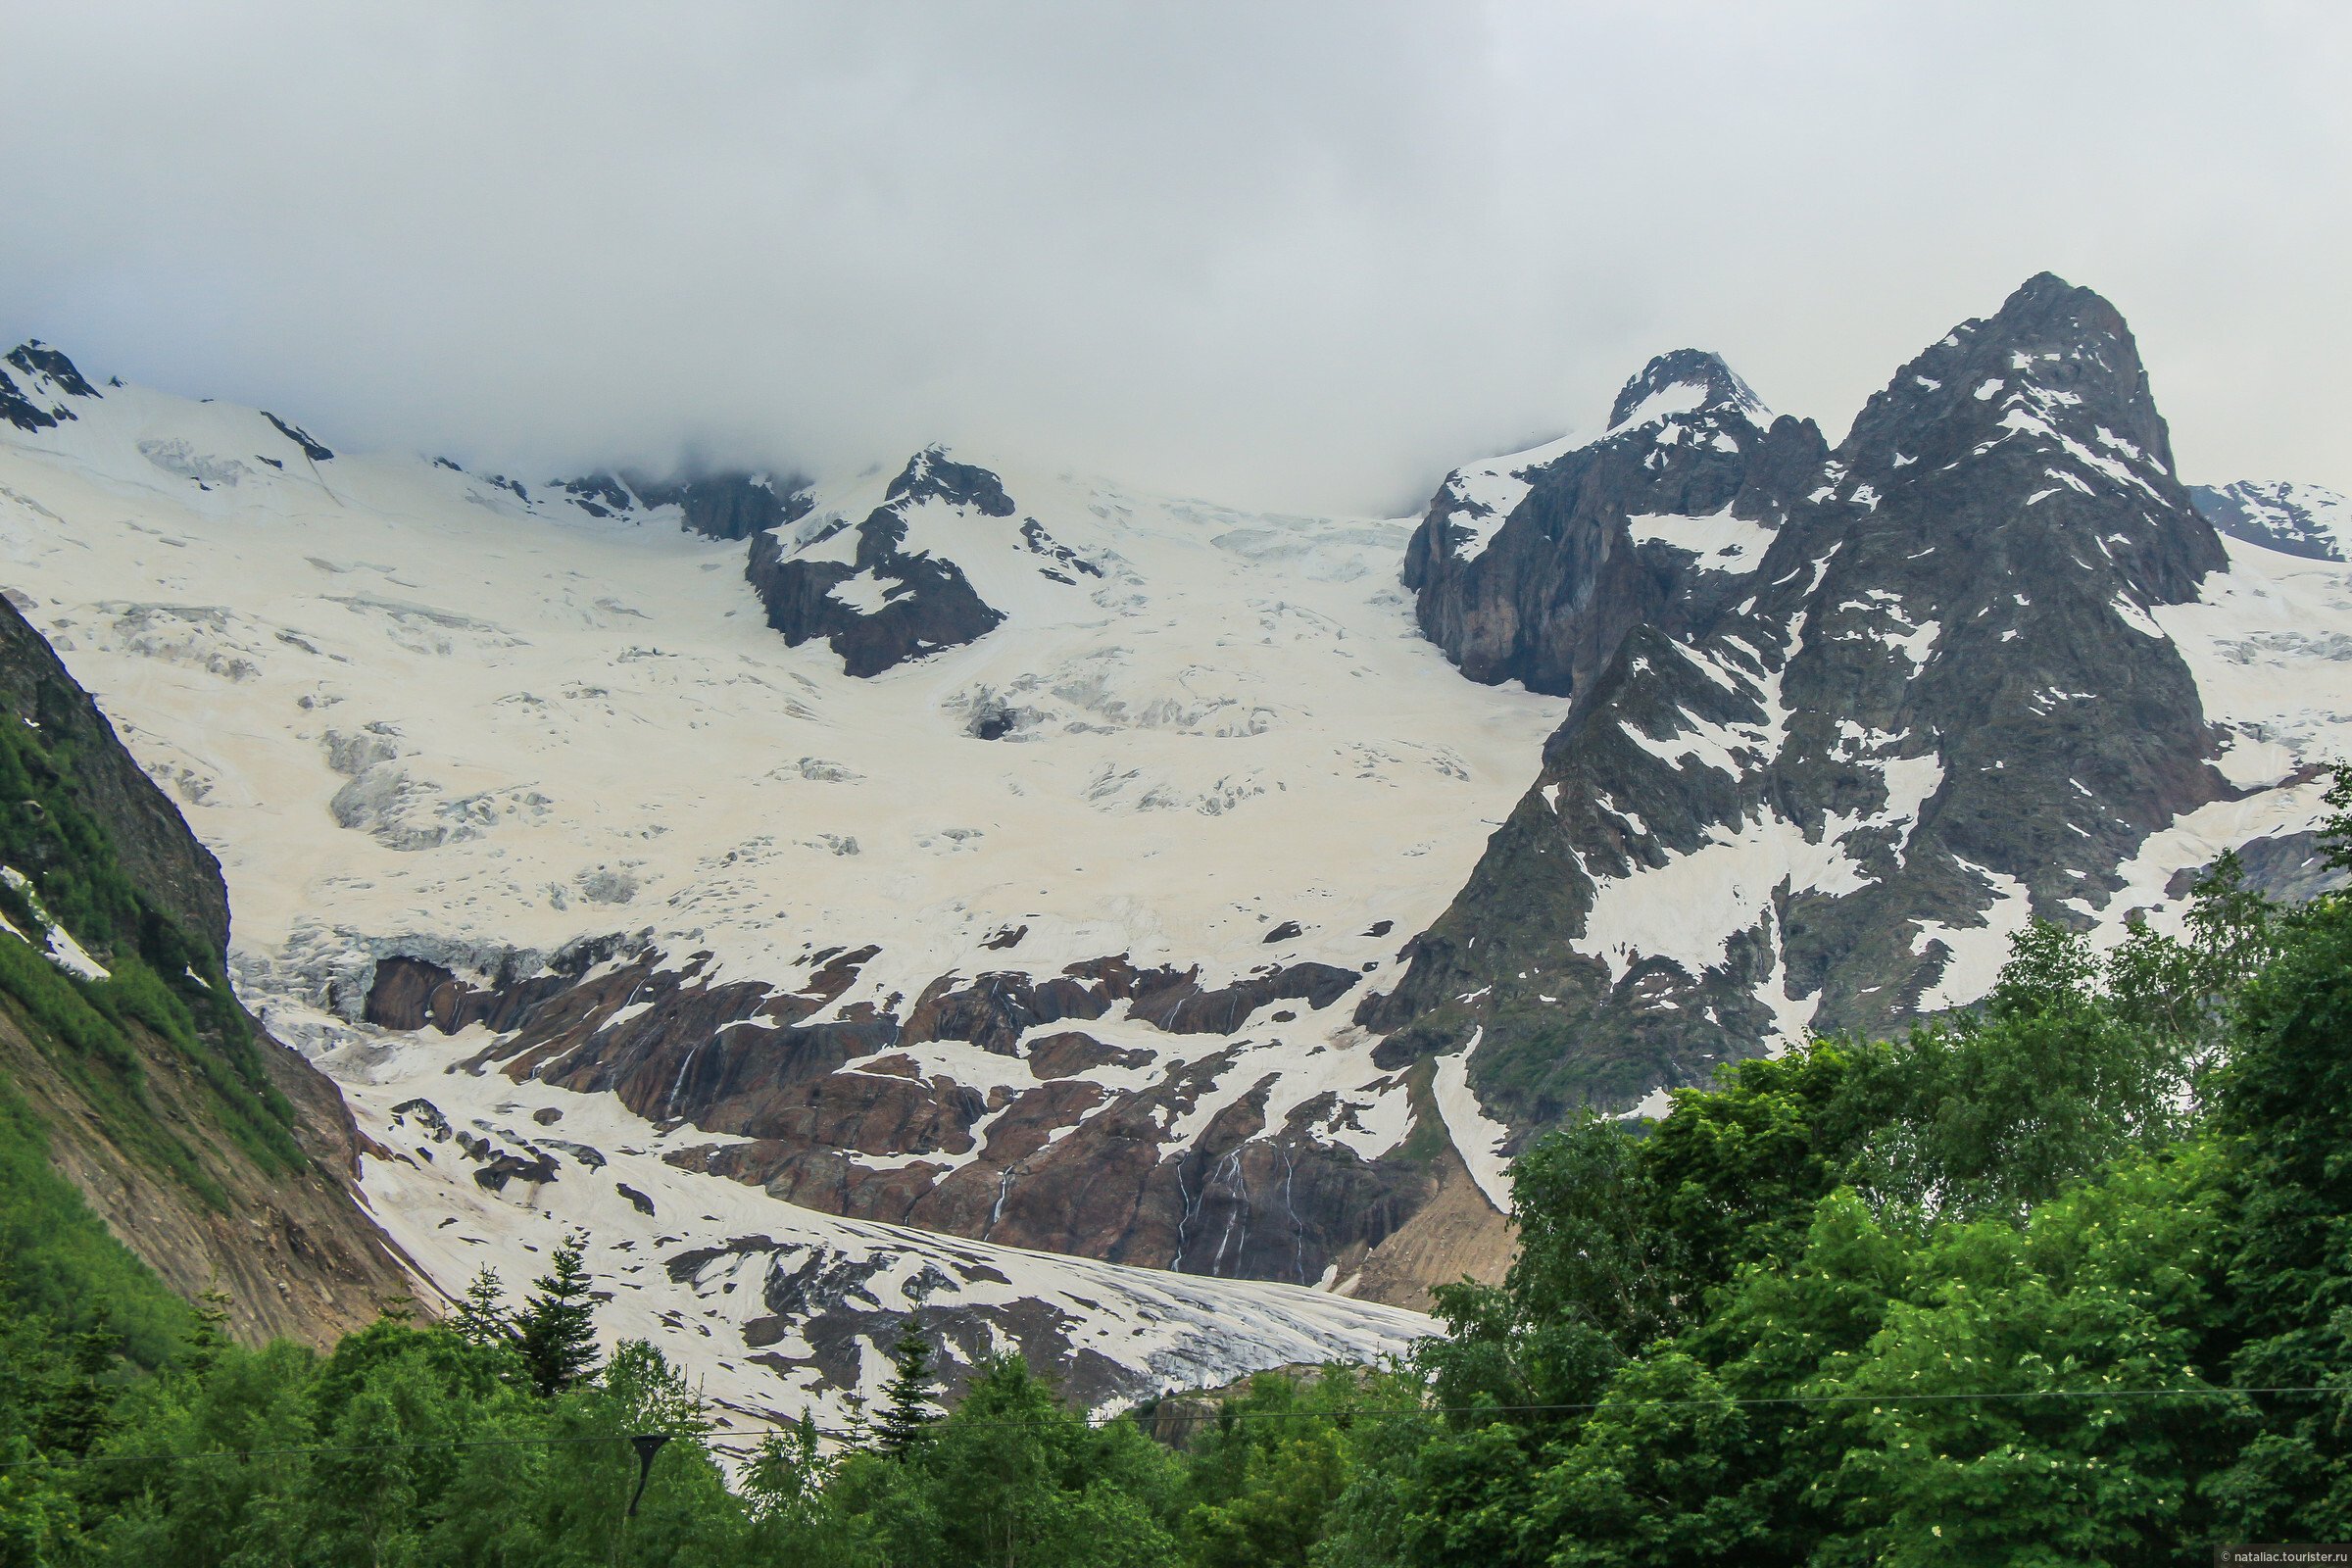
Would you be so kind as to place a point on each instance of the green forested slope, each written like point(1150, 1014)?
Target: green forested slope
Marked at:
point(137, 1074)
point(2066, 1280)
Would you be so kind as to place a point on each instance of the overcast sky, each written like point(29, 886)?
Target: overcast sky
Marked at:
point(1294, 254)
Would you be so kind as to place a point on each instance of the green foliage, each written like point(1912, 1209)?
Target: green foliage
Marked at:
point(907, 1413)
point(1985, 1294)
point(1736, 1170)
point(2283, 1107)
point(1973, 1296)
point(1653, 1478)
point(2335, 834)
point(1010, 1476)
point(60, 1267)
point(556, 1332)
point(1262, 1481)
point(161, 978)
point(482, 1317)
point(1597, 1278)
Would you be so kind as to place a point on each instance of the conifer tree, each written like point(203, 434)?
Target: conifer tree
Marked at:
point(2335, 832)
point(556, 1330)
point(906, 1413)
point(209, 1337)
point(78, 1402)
point(482, 1316)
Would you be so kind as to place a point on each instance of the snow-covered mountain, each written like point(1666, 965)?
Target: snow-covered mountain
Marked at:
point(1045, 939)
point(946, 888)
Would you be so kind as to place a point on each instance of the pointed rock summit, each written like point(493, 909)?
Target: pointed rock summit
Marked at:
point(1818, 789)
point(1534, 567)
point(1686, 380)
point(34, 385)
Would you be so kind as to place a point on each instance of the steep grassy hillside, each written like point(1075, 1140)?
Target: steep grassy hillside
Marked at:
point(213, 1152)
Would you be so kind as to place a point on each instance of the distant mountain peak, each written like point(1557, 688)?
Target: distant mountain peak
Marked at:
point(930, 475)
point(49, 379)
point(2295, 520)
point(2054, 379)
point(37, 358)
point(1684, 381)
point(727, 504)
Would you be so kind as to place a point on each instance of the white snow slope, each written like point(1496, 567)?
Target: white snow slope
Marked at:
point(411, 712)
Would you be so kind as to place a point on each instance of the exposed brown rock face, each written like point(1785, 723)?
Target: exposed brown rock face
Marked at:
point(992, 1010)
point(1067, 1166)
point(294, 1253)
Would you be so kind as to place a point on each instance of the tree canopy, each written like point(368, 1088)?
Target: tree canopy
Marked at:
point(2061, 1279)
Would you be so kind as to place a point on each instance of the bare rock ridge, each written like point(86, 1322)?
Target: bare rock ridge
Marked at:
point(1935, 703)
point(171, 1158)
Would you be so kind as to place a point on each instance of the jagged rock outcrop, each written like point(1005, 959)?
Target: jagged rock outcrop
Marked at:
point(1534, 569)
point(310, 449)
point(727, 504)
point(874, 597)
point(2298, 520)
point(217, 1155)
point(835, 1120)
point(1939, 703)
point(34, 383)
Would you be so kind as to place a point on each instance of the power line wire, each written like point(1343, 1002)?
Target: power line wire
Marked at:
point(725, 1436)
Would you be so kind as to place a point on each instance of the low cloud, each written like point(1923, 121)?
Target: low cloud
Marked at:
point(1302, 256)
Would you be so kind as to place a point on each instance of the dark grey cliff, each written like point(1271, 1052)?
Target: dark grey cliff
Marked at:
point(1544, 593)
point(727, 504)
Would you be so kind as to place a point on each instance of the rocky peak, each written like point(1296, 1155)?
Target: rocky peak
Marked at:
point(1535, 568)
point(731, 504)
point(1684, 381)
point(877, 599)
point(2054, 358)
point(1936, 704)
point(48, 377)
point(37, 358)
point(2046, 398)
point(600, 495)
point(929, 475)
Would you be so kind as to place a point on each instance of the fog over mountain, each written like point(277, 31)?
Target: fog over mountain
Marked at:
point(1304, 256)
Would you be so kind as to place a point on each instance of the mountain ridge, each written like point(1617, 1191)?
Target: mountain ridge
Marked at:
point(1078, 929)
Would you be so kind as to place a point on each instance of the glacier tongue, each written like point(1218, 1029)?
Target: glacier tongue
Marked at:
point(774, 1309)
